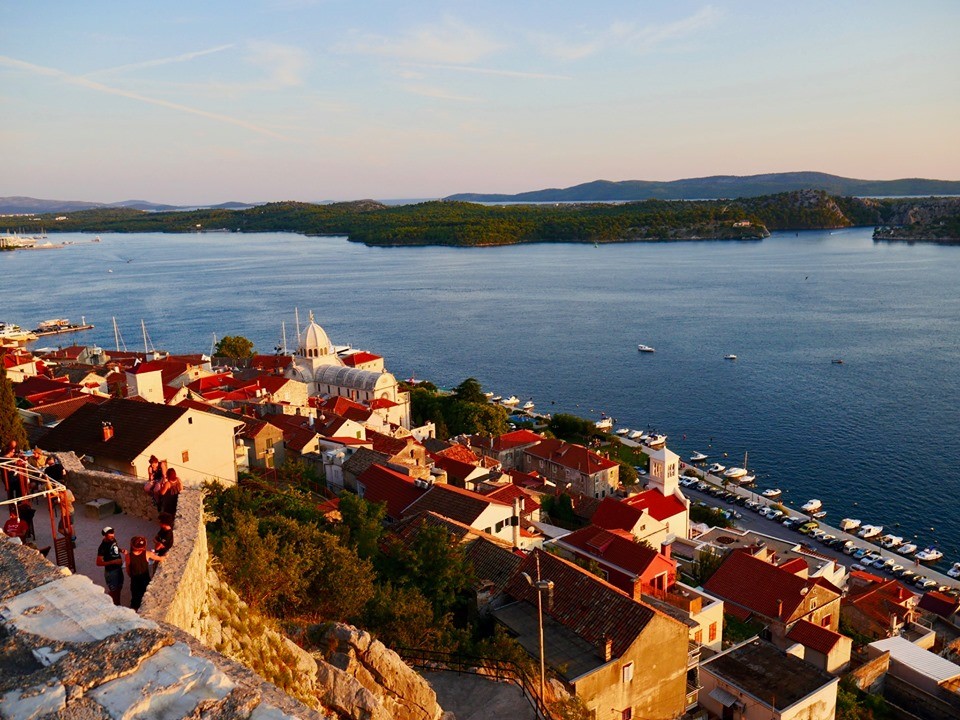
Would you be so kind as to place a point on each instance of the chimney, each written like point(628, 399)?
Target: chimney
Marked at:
point(516, 522)
point(665, 549)
point(779, 608)
point(607, 648)
point(107, 430)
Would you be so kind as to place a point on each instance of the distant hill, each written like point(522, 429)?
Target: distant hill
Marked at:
point(724, 186)
point(36, 206)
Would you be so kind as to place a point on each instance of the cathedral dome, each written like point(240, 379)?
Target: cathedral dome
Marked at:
point(315, 341)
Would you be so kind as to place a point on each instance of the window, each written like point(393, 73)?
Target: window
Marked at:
point(499, 526)
point(185, 455)
point(627, 672)
point(626, 714)
point(826, 621)
point(713, 632)
point(698, 636)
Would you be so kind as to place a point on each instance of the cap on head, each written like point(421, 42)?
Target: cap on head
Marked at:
point(107, 531)
point(139, 541)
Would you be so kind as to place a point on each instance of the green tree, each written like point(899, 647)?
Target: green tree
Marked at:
point(235, 347)
point(628, 476)
point(11, 426)
point(402, 617)
point(706, 565)
point(362, 524)
point(470, 390)
point(570, 427)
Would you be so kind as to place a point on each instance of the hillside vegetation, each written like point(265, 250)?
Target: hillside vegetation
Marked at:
point(469, 224)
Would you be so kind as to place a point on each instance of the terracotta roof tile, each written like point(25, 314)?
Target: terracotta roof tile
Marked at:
point(617, 548)
point(381, 484)
point(612, 514)
point(821, 639)
point(659, 506)
point(569, 455)
point(453, 502)
point(507, 493)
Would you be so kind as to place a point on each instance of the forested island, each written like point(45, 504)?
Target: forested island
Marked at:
point(470, 224)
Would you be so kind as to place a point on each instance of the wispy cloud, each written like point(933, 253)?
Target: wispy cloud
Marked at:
point(493, 71)
point(284, 64)
point(84, 82)
point(448, 42)
point(184, 57)
point(630, 36)
point(439, 93)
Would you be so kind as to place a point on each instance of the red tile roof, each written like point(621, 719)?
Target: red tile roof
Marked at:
point(527, 480)
point(939, 603)
point(384, 485)
point(65, 408)
point(821, 639)
point(514, 439)
point(612, 514)
point(659, 506)
point(878, 598)
point(507, 494)
point(270, 362)
point(382, 404)
point(458, 452)
point(569, 455)
point(795, 566)
point(359, 358)
point(615, 547)
point(760, 586)
point(339, 405)
point(455, 503)
point(455, 469)
point(593, 609)
point(390, 445)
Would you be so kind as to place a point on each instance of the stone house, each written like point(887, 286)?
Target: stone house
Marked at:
point(826, 649)
point(621, 657)
point(757, 681)
point(877, 607)
point(573, 467)
point(507, 449)
point(753, 588)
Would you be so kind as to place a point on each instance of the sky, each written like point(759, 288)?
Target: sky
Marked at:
point(313, 100)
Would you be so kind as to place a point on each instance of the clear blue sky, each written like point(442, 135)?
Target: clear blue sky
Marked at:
point(204, 102)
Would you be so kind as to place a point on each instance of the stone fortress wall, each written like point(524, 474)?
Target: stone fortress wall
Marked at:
point(358, 678)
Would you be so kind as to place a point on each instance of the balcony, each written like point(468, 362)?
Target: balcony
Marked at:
point(693, 654)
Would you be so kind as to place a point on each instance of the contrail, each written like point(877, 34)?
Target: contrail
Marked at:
point(162, 61)
point(100, 87)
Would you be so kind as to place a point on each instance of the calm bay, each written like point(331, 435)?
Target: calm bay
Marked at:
point(877, 437)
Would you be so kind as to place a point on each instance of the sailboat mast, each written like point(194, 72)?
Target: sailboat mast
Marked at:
point(116, 334)
point(296, 315)
point(143, 326)
point(283, 330)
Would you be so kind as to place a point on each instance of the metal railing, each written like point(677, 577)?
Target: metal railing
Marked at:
point(495, 669)
point(16, 470)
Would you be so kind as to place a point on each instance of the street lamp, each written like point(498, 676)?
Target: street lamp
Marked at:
point(540, 585)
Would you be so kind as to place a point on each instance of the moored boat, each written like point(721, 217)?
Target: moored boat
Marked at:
point(729, 357)
point(811, 506)
point(928, 555)
point(645, 349)
point(849, 524)
point(698, 457)
point(819, 515)
point(734, 473)
point(9, 331)
point(748, 479)
point(636, 435)
point(512, 400)
point(954, 572)
point(623, 431)
point(890, 541)
point(870, 531)
point(604, 424)
point(907, 549)
point(654, 439)
point(716, 468)
point(528, 405)
point(60, 325)
point(772, 493)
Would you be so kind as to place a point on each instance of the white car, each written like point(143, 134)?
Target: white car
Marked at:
point(871, 559)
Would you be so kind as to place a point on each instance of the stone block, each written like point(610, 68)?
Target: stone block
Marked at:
point(100, 508)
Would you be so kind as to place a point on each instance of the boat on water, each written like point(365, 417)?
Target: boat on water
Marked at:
point(9, 331)
point(928, 555)
point(645, 349)
point(954, 572)
point(488, 395)
point(512, 400)
point(729, 357)
point(653, 440)
point(528, 405)
point(772, 493)
point(819, 515)
point(60, 325)
point(890, 541)
point(636, 435)
point(849, 524)
point(716, 468)
point(837, 361)
point(698, 457)
point(811, 506)
point(496, 398)
point(604, 423)
point(907, 549)
point(734, 473)
point(870, 531)
point(623, 431)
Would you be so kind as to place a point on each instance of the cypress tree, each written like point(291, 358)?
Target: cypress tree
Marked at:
point(11, 426)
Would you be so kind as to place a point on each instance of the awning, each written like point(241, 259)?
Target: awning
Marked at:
point(723, 697)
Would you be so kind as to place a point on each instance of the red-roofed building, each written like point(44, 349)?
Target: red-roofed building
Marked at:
point(406, 451)
point(774, 596)
point(18, 364)
point(671, 510)
point(379, 484)
point(507, 449)
point(877, 607)
point(461, 474)
point(623, 562)
point(620, 657)
point(827, 649)
point(53, 412)
point(271, 363)
point(363, 360)
point(530, 508)
point(529, 481)
point(456, 451)
point(938, 603)
point(478, 511)
point(637, 520)
point(572, 467)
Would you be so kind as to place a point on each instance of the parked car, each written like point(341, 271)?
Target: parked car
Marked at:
point(702, 486)
point(857, 566)
point(752, 505)
point(774, 515)
point(926, 584)
point(872, 558)
point(850, 549)
point(820, 535)
point(732, 515)
point(808, 527)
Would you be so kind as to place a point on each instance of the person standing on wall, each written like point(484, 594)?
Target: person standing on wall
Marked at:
point(111, 558)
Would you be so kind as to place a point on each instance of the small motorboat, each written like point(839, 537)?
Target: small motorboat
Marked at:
point(622, 431)
point(636, 435)
point(698, 457)
point(512, 400)
point(837, 361)
point(870, 531)
point(928, 555)
point(772, 493)
point(645, 349)
point(907, 549)
point(849, 524)
point(716, 468)
point(604, 424)
point(528, 405)
point(488, 395)
point(734, 473)
point(496, 398)
point(954, 572)
point(729, 357)
point(890, 541)
point(748, 479)
point(819, 515)
point(811, 506)
point(655, 439)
